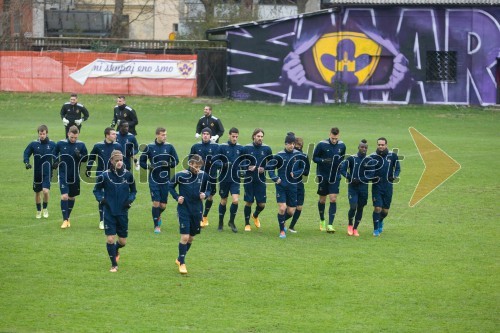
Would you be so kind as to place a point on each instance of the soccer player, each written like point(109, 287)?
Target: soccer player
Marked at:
point(210, 121)
point(161, 156)
point(102, 152)
point(208, 150)
point(42, 151)
point(193, 189)
point(69, 153)
point(328, 155)
point(386, 173)
point(357, 169)
point(123, 112)
point(299, 144)
point(73, 113)
point(128, 142)
point(229, 178)
point(256, 156)
point(290, 165)
point(115, 190)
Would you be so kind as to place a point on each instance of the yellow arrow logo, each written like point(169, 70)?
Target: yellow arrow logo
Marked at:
point(439, 166)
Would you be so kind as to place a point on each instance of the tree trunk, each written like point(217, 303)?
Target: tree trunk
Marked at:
point(116, 21)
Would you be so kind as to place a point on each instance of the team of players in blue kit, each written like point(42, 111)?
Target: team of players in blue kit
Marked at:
point(228, 164)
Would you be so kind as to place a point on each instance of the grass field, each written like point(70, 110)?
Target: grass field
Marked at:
point(434, 269)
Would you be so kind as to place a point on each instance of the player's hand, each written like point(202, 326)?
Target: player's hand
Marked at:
point(164, 164)
point(375, 179)
point(278, 181)
point(65, 121)
point(180, 199)
point(251, 168)
point(214, 138)
point(112, 125)
point(197, 136)
point(77, 153)
point(78, 122)
point(202, 196)
point(87, 173)
point(393, 179)
point(27, 165)
point(327, 160)
point(127, 204)
point(103, 202)
point(261, 170)
point(150, 167)
point(118, 124)
point(355, 181)
point(55, 165)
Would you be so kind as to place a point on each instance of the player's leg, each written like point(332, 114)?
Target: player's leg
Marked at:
point(249, 199)
point(322, 193)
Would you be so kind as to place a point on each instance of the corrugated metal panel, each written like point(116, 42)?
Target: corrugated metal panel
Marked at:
point(413, 2)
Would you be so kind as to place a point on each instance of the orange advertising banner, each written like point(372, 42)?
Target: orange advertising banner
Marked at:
point(25, 71)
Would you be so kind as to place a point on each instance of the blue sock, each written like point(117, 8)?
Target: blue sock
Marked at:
point(331, 212)
point(64, 209)
point(258, 209)
point(321, 210)
point(100, 213)
point(182, 253)
point(71, 204)
point(155, 212)
point(233, 209)
point(208, 205)
point(38, 207)
point(359, 214)
point(281, 221)
point(222, 212)
point(118, 246)
point(112, 253)
point(188, 246)
point(287, 216)
point(295, 218)
point(376, 219)
point(45, 204)
point(247, 211)
point(383, 215)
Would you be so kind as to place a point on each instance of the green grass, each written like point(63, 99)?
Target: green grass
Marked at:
point(434, 269)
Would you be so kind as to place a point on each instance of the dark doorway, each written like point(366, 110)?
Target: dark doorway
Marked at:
point(211, 74)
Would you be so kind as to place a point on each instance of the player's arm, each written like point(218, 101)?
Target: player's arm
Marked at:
point(85, 112)
point(98, 189)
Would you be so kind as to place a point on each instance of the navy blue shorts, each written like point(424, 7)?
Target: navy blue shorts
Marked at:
point(159, 192)
point(115, 224)
point(72, 189)
point(382, 195)
point(286, 194)
point(189, 222)
point(228, 187)
point(255, 191)
point(326, 187)
point(301, 194)
point(358, 194)
point(41, 181)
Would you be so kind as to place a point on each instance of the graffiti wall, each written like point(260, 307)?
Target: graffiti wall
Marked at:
point(392, 55)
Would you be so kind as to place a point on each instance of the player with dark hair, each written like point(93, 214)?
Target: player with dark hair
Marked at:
point(123, 112)
point(386, 173)
point(358, 170)
point(256, 156)
point(69, 153)
point(301, 192)
point(328, 155)
point(290, 165)
point(128, 142)
point(229, 178)
point(102, 152)
point(209, 151)
point(115, 190)
point(193, 189)
point(212, 122)
point(73, 113)
point(42, 151)
point(162, 156)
